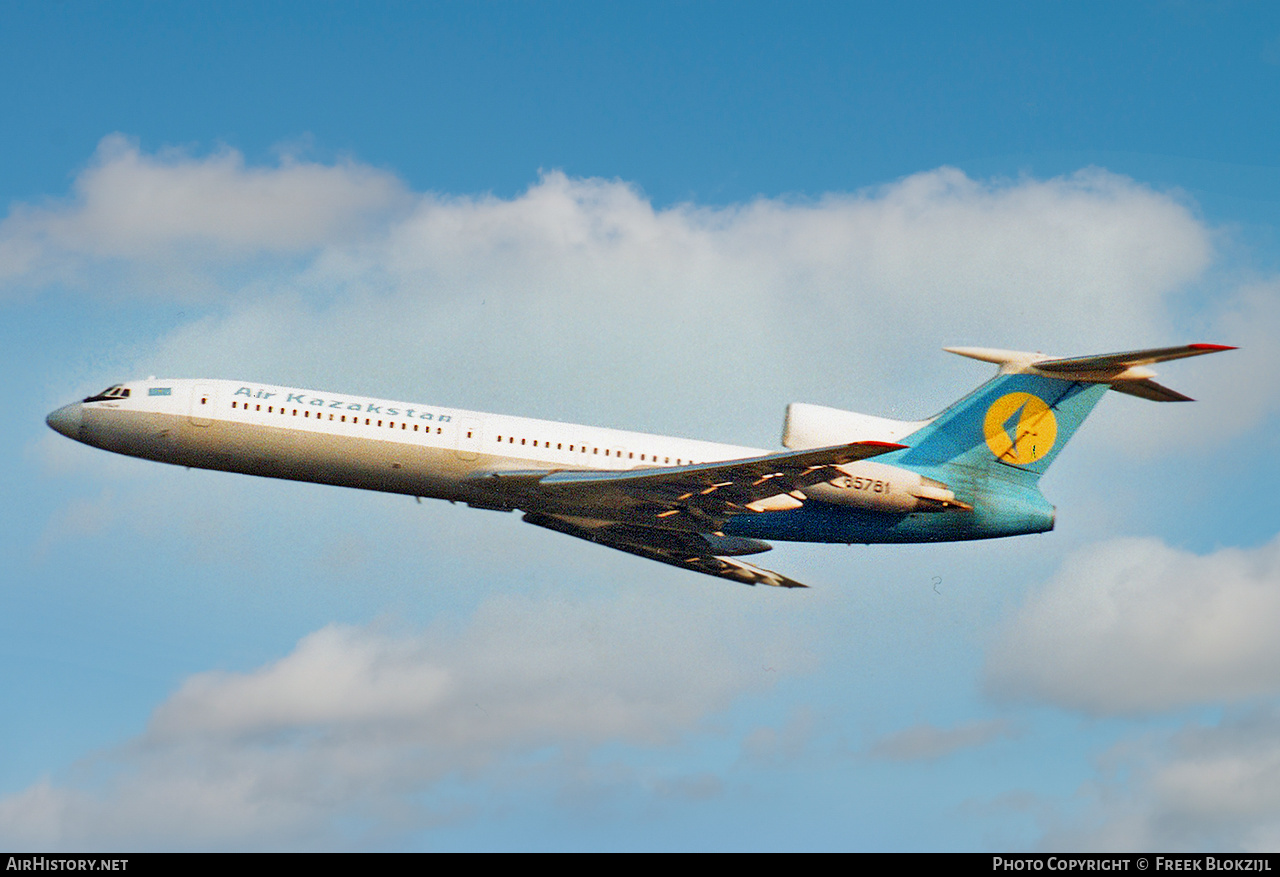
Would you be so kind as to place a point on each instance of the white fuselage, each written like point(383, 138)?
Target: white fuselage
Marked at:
point(357, 441)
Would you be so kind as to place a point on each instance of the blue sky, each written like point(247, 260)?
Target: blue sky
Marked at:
point(673, 219)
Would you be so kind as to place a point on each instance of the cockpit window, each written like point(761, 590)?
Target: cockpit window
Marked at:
point(114, 392)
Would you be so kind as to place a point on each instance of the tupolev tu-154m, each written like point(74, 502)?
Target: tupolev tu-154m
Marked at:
point(970, 472)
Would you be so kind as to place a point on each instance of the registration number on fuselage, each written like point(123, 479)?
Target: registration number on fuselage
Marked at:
point(854, 482)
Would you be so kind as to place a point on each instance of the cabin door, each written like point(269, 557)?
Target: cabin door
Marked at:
point(202, 401)
point(468, 438)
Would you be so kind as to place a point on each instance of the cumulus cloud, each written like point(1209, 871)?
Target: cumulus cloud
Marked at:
point(927, 742)
point(1212, 788)
point(586, 285)
point(131, 207)
point(1134, 626)
point(581, 295)
point(1246, 389)
point(360, 726)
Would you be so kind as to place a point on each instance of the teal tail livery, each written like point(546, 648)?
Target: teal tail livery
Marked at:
point(1023, 417)
point(971, 472)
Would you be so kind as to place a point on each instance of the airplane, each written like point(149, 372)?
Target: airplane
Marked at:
point(969, 472)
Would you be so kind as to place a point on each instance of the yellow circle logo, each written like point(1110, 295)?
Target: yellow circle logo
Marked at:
point(1020, 428)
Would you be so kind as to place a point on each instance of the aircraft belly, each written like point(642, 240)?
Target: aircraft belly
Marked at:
point(275, 452)
point(822, 522)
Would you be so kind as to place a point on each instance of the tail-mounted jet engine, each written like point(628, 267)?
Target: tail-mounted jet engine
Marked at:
point(866, 484)
point(884, 488)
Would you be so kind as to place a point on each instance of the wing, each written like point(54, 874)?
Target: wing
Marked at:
point(697, 498)
point(673, 514)
point(701, 552)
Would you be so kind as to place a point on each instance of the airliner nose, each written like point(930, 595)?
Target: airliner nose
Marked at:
point(66, 420)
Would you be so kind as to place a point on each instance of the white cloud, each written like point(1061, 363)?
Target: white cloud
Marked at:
point(1246, 390)
point(582, 296)
point(1134, 626)
point(357, 723)
point(156, 209)
point(582, 291)
point(1202, 788)
point(336, 675)
point(330, 273)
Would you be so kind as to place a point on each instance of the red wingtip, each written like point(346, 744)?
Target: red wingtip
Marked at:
point(1212, 347)
point(892, 446)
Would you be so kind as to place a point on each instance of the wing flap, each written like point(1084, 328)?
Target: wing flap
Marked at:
point(705, 553)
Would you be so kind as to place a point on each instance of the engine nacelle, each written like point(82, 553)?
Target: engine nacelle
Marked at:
point(816, 426)
point(884, 488)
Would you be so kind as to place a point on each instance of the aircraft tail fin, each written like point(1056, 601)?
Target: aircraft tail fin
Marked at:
point(1021, 419)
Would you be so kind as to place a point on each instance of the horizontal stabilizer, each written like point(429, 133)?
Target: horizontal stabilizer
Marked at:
point(1123, 372)
point(1150, 390)
point(1123, 361)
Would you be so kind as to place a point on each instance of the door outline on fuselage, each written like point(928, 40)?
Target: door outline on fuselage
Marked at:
point(468, 440)
point(202, 400)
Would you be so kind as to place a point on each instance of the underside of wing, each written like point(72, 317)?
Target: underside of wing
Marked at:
point(706, 553)
point(675, 515)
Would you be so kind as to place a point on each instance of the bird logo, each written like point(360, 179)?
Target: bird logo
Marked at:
point(1020, 428)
